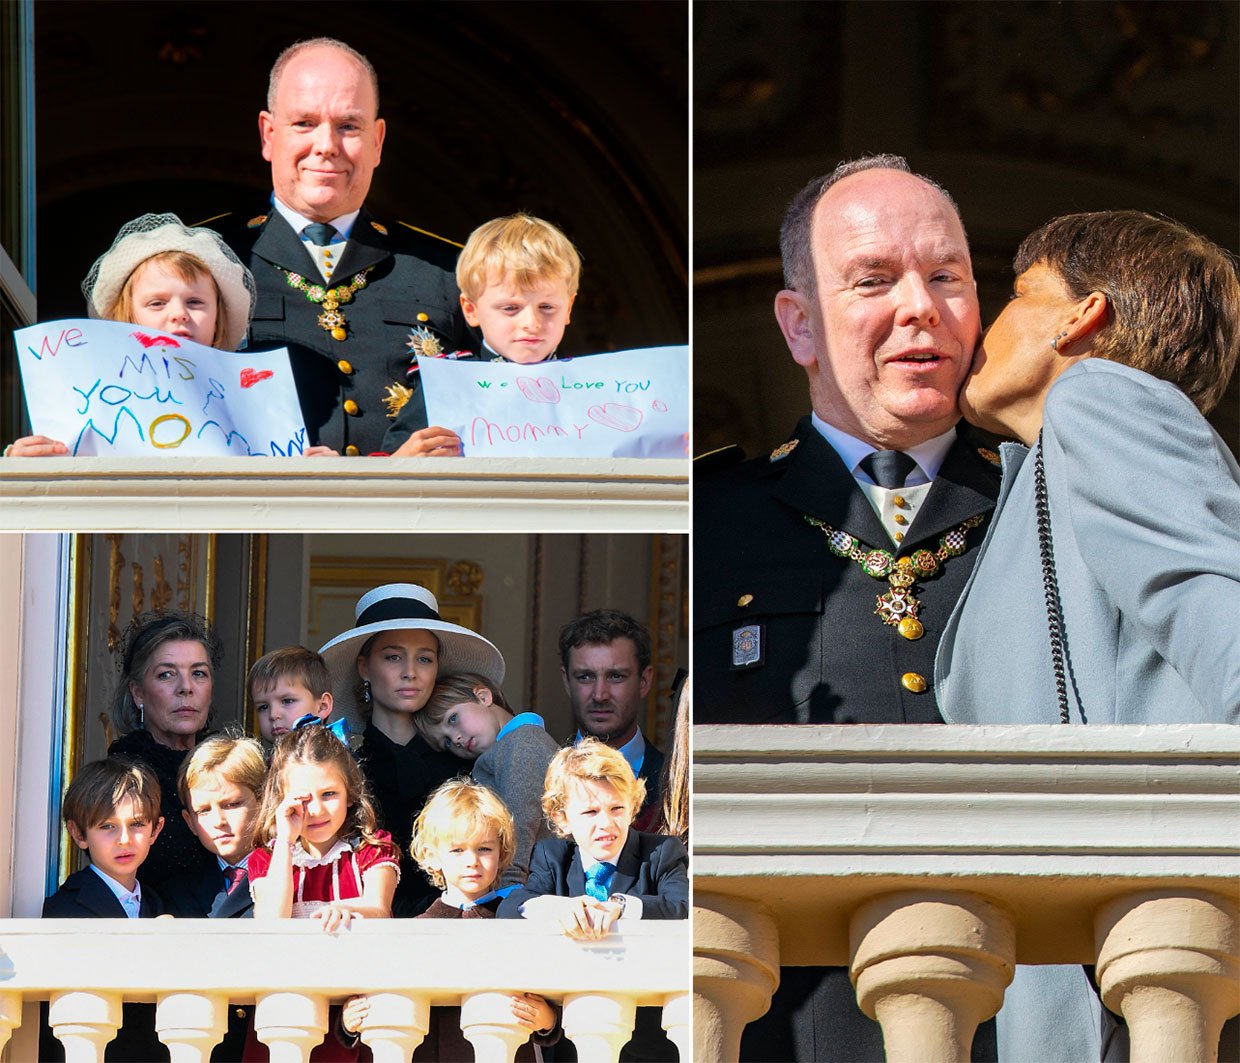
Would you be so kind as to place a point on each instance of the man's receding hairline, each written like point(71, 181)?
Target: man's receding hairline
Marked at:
point(930, 186)
point(301, 49)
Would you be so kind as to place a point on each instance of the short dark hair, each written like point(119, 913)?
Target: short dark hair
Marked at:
point(290, 662)
point(795, 244)
point(1173, 297)
point(601, 627)
point(144, 635)
point(100, 786)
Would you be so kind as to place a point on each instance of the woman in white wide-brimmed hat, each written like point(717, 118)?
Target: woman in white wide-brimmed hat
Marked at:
point(383, 670)
point(164, 275)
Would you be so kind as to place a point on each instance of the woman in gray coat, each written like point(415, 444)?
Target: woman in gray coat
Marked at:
point(1106, 588)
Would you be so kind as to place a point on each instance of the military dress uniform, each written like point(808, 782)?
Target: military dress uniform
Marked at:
point(786, 632)
point(399, 287)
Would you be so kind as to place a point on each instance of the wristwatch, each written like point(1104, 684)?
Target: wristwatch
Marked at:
point(620, 899)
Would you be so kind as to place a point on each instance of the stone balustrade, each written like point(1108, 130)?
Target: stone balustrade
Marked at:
point(193, 970)
point(931, 860)
point(344, 494)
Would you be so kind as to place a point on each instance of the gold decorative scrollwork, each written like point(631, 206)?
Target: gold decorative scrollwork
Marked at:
point(464, 578)
point(161, 593)
point(116, 562)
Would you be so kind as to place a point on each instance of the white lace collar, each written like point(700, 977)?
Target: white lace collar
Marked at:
point(301, 858)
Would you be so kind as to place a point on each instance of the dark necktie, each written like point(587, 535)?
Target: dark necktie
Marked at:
point(598, 879)
point(888, 468)
point(319, 233)
point(232, 878)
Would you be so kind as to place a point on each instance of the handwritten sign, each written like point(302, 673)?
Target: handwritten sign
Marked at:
point(106, 387)
point(628, 404)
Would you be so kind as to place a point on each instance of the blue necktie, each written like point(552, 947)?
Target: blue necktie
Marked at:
point(598, 879)
point(888, 468)
point(319, 233)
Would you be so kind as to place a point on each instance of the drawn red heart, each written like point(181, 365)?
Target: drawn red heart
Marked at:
point(538, 388)
point(154, 341)
point(250, 377)
point(615, 415)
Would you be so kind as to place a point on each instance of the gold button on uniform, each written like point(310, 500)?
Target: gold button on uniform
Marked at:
point(913, 682)
point(900, 501)
point(424, 317)
point(350, 407)
point(744, 600)
point(352, 451)
point(346, 367)
point(900, 518)
point(898, 537)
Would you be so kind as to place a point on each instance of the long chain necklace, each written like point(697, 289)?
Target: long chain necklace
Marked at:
point(331, 319)
point(898, 608)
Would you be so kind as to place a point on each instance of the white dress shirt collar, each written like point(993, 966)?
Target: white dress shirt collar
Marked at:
point(131, 902)
point(929, 455)
point(343, 225)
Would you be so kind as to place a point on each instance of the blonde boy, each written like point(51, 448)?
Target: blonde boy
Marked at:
point(285, 685)
point(603, 869)
point(518, 277)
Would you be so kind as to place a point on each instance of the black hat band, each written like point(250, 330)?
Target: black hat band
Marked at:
point(397, 609)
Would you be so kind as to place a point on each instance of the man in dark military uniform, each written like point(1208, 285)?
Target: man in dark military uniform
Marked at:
point(826, 570)
point(345, 293)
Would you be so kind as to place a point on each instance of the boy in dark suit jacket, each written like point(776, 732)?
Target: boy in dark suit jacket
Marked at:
point(111, 810)
point(221, 784)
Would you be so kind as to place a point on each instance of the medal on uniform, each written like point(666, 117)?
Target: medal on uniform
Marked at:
point(898, 606)
point(332, 319)
point(748, 650)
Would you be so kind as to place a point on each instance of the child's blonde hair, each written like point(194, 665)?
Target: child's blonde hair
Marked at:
point(315, 744)
point(237, 758)
point(519, 247)
point(180, 264)
point(290, 662)
point(590, 760)
point(100, 786)
point(449, 692)
point(461, 810)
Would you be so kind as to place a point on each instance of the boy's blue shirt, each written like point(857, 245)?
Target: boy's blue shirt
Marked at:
point(521, 719)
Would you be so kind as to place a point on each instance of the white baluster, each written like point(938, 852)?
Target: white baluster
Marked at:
point(10, 1015)
point(290, 1024)
point(191, 1024)
point(678, 1022)
point(84, 1022)
point(599, 1024)
point(395, 1025)
point(489, 1025)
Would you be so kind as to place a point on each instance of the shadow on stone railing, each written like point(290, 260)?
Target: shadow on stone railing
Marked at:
point(193, 970)
point(330, 494)
point(931, 860)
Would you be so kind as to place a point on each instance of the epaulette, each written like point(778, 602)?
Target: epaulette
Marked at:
point(715, 460)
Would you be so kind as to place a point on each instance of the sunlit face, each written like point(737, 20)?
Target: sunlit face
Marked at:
point(887, 338)
point(175, 693)
point(325, 803)
point(221, 815)
point(323, 139)
point(164, 300)
point(119, 844)
point(1015, 363)
point(470, 728)
point(524, 325)
point(401, 667)
point(281, 704)
point(606, 688)
point(470, 867)
point(598, 819)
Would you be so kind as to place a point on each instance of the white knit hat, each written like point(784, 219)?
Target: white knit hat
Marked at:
point(153, 234)
point(401, 607)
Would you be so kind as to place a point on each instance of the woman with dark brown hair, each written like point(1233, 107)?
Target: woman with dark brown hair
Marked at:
point(162, 707)
point(1106, 588)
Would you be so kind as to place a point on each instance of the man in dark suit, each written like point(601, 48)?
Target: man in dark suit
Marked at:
point(859, 532)
point(605, 664)
point(351, 297)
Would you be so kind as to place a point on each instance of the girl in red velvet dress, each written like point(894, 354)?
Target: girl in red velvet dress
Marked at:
point(320, 855)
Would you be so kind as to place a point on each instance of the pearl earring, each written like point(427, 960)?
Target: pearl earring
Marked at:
point(366, 692)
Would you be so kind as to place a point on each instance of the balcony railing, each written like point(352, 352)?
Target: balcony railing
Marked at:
point(930, 860)
point(344, 494)
point(193, 970)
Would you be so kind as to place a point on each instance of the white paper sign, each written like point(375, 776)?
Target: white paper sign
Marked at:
point(106, 387)
point(627, 404)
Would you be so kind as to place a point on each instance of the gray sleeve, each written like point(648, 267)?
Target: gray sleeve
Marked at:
point(518, 770)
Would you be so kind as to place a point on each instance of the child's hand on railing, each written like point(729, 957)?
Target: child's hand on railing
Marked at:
point(334, 917)
point(533, 1012)
point(354, 1014)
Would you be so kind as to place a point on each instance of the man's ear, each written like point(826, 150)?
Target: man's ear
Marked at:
point(470, 309)
point(266, 129)
point(79, 839)
point(643, 687)
point(380, 132)
point(564, 676)
point(794, 314)
point(1087, 317)
point(324, 709)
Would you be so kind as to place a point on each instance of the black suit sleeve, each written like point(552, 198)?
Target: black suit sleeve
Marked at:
point(669, 879)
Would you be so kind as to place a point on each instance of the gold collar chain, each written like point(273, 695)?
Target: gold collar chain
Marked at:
point(331, 320)
point(898, 608)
